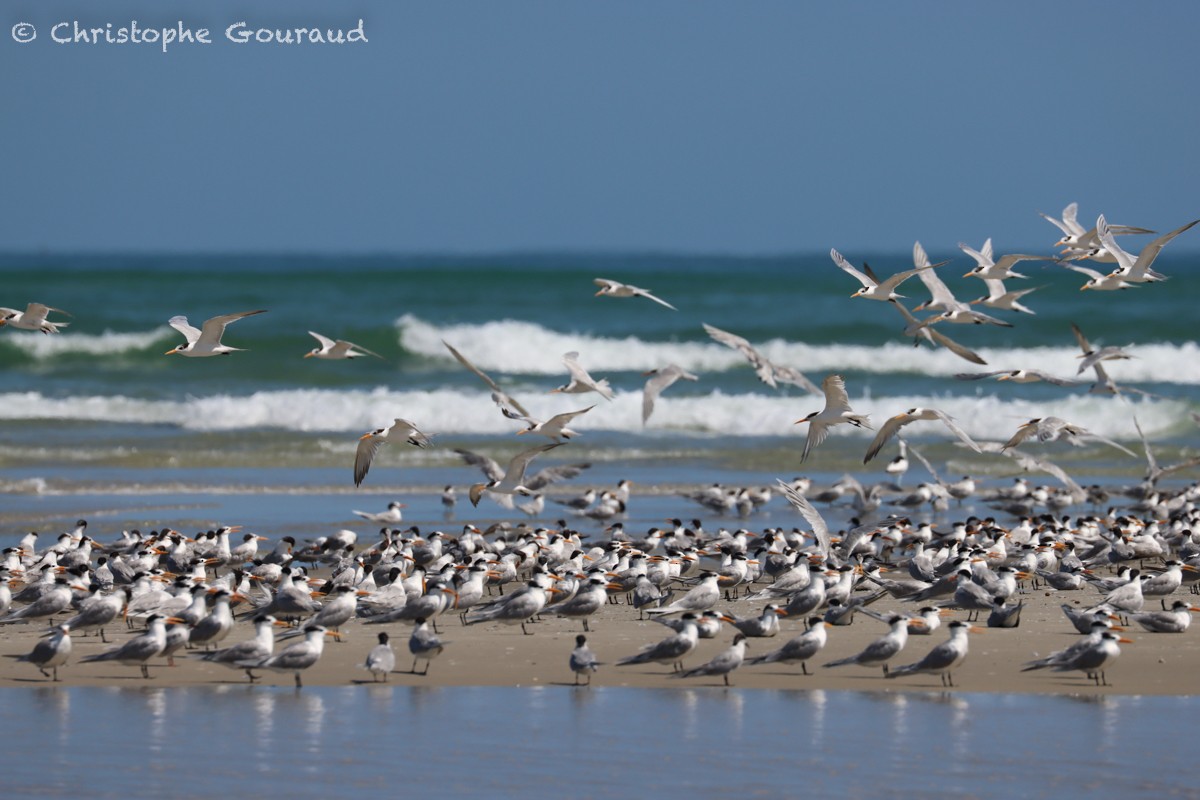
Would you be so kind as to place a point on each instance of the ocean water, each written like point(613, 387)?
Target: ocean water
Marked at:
point(98, 414)
point(563, 742)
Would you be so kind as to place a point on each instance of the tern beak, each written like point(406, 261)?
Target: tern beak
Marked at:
point(309, 354)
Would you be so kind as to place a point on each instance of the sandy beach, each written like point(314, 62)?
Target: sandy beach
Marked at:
point(490, 654)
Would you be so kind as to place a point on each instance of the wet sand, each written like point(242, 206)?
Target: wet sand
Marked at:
point(490, 654)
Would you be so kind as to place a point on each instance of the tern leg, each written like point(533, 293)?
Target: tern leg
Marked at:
point(527, 633)
point(145, 671)
point(803, 668)
point(426, 670)
point(103, 638)
point(585, 625)
point(414, 667)
point(55, 673)
point(299, 685)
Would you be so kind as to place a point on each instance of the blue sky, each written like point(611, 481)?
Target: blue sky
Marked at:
point(693, 126)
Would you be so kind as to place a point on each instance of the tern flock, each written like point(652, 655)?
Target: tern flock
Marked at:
point(188, 592)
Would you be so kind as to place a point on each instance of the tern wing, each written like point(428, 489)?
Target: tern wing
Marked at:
point(893, 282)
point(503, 398)
point(368, 446)
point(847, 267)
point(325, 342)
point(980, 259)
point(515, 472)
point(1151, 251)
point(809, 512)
point(1060, 225)
point(1126, 260)
point(886, 431)
point(836, 398)
point(213, 329)
point(351, 346)
point(952, 426)
point(180, 323)
point(646, 294)
point(954, 347)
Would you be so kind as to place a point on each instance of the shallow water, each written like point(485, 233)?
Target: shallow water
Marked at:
point(560, 741)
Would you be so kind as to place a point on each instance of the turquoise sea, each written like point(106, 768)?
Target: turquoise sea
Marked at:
point(98, 420)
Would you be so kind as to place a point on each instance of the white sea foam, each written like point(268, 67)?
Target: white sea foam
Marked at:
point(983, 416)
point(518, 347)
point(99, 344)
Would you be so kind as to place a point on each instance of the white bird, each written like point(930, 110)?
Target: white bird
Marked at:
point(393, 516)
point(895, 423)
point(207, 340)
point(723, 663)
point(381, 660)
point(943, 300)
point(615, 289)
point(369, 443)
point(769, 373)
point(583, 660)
point(339, 349)
point(511, 482)
point(836, 412)
point(581, 382)
point(51, 652)
point(1137, 270)
point(1099, 282)
point(1092, 658)
point(1078, 242)
point(1050, 429)
point(554, 428)
point(872, 288)
point(943, 658)
point(1018, 376)
point(499, 396)
point(294, 658)
point(986, 268)
point(33, 318)
point(658, 381)
point(998, 297)
point(915, 329)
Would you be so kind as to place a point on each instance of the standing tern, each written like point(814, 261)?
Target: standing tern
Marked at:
point(701, 597)
point(381, 660)
point(369, 443)
point(51, 652)
point(581, 382)
point(723, 663)
point(800, 648)
point(583, 660)
point(883, 649)
point(658, 380)
point(138, 650)
point(206, 341)
point(615, 289)
point(332, 350)
point(872, 288)
point(251, 651)
point(670, 650)
point(294, 658)
point(894, 424)
point(33, 318)
point(424, 645)
point(942, 659)
point(837, 411)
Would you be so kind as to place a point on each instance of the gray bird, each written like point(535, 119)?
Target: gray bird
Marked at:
point(723, 663)
point(583, 660)
point(670, 650)
point(942, 659)
point(424, 646)
point(799, 649)
point(381, 660)
point(138, 650)
point(51, 652)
